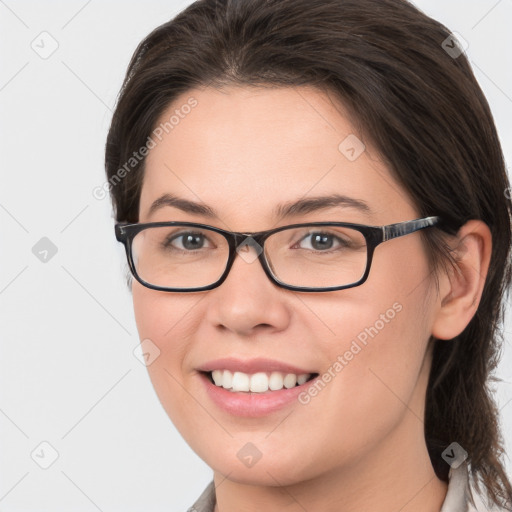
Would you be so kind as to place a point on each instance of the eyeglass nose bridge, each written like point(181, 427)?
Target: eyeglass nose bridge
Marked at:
point(241, 244)
point(244, 242)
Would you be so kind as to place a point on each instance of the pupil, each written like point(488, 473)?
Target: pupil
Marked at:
point(320, 241)
point(192, 241)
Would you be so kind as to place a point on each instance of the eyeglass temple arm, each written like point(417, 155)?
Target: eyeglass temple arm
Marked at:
point(404, 228)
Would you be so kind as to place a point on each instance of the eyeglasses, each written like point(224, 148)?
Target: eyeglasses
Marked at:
point(312, 257)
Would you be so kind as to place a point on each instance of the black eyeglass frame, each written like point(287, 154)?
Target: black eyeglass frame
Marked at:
point(374, 236)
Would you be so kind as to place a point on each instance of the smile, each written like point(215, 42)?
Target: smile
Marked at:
point(259, 382)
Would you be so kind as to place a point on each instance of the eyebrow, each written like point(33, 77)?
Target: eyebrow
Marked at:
point(281, 211)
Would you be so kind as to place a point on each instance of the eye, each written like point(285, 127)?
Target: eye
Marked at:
point(319, 241)
point(187, 241)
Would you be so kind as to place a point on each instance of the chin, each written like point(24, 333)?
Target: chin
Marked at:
point(267, 467)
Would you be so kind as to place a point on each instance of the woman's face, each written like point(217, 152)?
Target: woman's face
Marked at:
point(242, 152)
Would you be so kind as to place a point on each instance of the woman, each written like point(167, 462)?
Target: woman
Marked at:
point(313, 200)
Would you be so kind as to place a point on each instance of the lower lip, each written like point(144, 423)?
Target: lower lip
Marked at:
point(252, 405)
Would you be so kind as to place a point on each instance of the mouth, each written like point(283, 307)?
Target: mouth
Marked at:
point(259, 382)
point(254, 387)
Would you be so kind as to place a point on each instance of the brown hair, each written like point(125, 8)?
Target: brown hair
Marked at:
point(418, 104)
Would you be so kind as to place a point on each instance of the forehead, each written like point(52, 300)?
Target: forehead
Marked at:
point(260, 123)
point(242, 150)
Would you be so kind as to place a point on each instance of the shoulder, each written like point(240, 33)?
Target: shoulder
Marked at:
point(205, 502)
point(463, 494)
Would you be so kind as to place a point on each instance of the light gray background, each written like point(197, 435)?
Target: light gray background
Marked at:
point(68, 375)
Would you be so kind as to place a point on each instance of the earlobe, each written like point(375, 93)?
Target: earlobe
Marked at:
point(461, 287)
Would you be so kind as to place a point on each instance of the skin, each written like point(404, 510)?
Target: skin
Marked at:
point(359, 444)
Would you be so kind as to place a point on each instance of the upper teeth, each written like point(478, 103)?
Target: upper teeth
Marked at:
point(257, 382)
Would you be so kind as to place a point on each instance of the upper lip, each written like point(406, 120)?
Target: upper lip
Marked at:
point(251, 366)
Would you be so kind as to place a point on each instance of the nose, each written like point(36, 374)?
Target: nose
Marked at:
point(247, 301)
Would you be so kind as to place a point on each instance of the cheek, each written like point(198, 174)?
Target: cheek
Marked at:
point(375, 357)
point(164, 320)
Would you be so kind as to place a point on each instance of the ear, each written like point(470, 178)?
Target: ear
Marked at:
point(461, 288)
